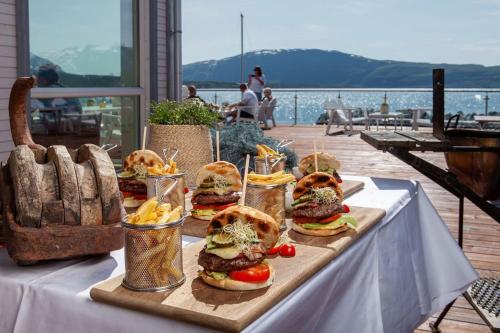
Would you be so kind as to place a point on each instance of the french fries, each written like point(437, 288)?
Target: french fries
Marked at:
point(263, 151)
point(276, 178)
point(169, 169)
point(153, 255)
point(151, 212)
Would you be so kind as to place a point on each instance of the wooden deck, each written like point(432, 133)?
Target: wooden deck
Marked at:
point(481, 233)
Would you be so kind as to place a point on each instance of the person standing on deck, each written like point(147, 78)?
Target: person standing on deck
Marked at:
point(257, 81)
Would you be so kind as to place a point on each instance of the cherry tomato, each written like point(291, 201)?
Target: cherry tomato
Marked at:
point(346, 209)
point(274, 250)
point(257, 273)
point(340, 180)
point(186, 190)
point(287, 250)
point(331, 218)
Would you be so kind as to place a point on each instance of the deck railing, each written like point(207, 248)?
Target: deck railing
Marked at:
point(305, 105)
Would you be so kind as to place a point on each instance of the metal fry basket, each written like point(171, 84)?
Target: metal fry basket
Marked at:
point(269, 165)
point(269, 199)
point(153, 256)
point(168, 189)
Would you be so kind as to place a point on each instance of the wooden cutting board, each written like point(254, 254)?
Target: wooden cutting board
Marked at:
point(199, 303)
point(198, 228)
point(366, 217)
point(349, 187)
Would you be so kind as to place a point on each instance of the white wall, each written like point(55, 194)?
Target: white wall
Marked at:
point(8, 71)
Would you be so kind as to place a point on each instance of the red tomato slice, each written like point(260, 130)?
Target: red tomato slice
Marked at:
point(274, 250)
point(346, 209)
point(287, 250)
point(135, 196)
point(331, 218)
point(257, 273)
point(216, 207)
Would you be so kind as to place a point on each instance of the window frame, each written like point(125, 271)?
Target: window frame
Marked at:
point(142, 91)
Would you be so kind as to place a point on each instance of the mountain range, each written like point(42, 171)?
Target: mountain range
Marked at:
point(314, 68)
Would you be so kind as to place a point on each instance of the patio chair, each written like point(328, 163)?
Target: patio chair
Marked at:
point(266, 112)
point(344, 116)
point(250, 109)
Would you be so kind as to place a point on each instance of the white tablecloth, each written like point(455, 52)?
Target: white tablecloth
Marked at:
point(403, 270)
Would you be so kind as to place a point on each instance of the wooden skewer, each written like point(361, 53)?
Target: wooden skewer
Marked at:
point(144, 136)
point(315, 157)
point(245, 180)
point(217, 144)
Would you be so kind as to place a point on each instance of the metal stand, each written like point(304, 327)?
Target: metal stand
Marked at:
point(450, 183)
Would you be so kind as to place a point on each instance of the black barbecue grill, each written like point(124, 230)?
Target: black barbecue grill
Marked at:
point(473, 159)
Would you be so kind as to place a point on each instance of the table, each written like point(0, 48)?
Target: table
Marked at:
point(416, 116)
point(484, 120)
point(391, 280)
point(386, 116)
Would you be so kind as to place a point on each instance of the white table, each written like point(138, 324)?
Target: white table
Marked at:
point(391, 280)
point(386, 116)
point(484, 120)
point(416, 113)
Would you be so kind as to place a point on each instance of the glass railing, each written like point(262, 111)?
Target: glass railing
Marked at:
point(306, 106)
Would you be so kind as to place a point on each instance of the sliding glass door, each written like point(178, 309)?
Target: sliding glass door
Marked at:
point(90, 60)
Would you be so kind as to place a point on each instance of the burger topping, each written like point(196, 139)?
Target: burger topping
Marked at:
point(342, 220)
point(213, 263)
point(235, 239)
point(257, 273)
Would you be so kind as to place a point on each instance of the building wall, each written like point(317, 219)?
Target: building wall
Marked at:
point(8, 64)
point(162, 49)
point(8, 71)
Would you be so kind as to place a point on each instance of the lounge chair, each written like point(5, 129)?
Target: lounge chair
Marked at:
point(266, 112)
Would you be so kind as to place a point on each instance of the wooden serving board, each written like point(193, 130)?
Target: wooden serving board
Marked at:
point(198, 228)
point(194, 227)
point(350, 187)
point(366, 217)
point(199, 303)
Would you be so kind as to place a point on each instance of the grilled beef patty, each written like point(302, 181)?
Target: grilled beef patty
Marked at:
point(133, 186)
point(315, 210)
point(215, 263)
point(207, 198)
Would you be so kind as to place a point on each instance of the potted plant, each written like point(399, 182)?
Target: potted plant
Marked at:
point(184, 126)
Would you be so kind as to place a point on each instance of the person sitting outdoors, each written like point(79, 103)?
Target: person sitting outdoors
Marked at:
point(193, 97)
point(248, 104)
point(267, 107)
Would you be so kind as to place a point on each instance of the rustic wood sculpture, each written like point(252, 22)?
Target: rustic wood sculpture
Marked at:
point(58, 203)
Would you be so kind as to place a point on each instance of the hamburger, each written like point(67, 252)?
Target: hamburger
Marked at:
point(237, 241)
point(326, 163)
point(132, 180)
point(218, 185)
point(318, 208)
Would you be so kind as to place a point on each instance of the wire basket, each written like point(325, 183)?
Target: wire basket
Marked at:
point(168, 189)
point(269, 199)
point(266, 166)
point(153, 256)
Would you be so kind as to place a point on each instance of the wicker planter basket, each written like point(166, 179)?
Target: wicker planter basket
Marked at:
point(194, 144)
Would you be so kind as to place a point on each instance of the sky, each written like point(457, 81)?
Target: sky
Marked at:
point(438, 31)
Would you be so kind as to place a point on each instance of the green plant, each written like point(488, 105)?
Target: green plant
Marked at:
point(184, 113)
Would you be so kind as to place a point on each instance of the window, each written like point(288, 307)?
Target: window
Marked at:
point(88, 57)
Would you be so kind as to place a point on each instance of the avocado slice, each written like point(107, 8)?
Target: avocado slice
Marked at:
point(348, 220)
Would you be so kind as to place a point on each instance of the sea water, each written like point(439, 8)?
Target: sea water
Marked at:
point(311, 103)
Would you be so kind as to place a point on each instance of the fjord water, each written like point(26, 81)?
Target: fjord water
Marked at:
point(310, 103)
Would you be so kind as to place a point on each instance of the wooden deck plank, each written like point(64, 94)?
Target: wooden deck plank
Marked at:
point(481, 233)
